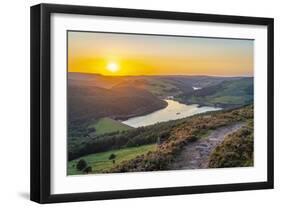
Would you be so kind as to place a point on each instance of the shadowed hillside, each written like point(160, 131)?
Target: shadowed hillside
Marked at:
point(87, 103)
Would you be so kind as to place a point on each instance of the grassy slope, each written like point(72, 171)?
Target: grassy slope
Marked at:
point(226, 94)
point(108, 125)
point(236, 150)
point(182, 133)
point(100, 162)
point(78, 147)
point(102, 126)
point(162, 88)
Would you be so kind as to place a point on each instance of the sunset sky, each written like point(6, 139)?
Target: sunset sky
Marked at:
point(128, 54)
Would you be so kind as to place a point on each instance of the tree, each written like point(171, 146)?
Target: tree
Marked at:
point(81, 164)
point(88, 169)
point(91, 130)
point(112, 156)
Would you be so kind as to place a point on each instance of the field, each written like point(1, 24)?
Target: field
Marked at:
point(101, 162)
point(107, 125)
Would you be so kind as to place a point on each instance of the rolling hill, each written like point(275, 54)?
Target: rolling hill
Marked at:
point(87, 103)
point(227, 94)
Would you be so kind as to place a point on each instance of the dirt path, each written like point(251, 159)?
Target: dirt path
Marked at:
point(196, 154)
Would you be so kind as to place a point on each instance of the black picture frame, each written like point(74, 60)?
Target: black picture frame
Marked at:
point(41, 98)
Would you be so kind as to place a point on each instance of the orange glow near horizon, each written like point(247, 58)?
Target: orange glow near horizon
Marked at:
point(129, 55)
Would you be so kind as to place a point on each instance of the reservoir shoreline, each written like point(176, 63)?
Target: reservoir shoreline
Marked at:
point(173, 111)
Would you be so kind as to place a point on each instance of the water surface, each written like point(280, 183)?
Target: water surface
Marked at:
point(173, 111)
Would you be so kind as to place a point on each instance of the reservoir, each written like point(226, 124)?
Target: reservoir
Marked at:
point(173, 111)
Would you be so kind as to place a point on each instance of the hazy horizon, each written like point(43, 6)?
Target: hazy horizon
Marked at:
point(116, 54)
point(89, 73)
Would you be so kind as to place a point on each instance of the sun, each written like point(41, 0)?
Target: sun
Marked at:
point(112, 67)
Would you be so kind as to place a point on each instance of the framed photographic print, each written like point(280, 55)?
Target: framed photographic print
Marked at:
point(132, 103)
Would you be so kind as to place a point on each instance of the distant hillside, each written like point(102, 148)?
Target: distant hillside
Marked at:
point(227, 94)
point(92, 96)
point(95, 80)
point(161, 86)
point(186, 83)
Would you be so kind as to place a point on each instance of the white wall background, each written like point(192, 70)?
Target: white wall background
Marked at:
point(14, 102)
